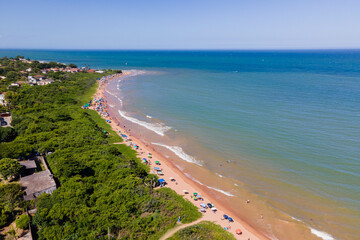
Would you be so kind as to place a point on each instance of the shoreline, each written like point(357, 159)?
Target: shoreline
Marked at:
point(182, 182)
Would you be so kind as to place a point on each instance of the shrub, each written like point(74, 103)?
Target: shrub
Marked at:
point(23, 222)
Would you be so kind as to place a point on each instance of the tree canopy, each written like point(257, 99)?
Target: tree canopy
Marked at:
point(9, 168)
point(101, 185)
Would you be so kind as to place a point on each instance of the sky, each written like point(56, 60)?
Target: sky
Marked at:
point(173, 24)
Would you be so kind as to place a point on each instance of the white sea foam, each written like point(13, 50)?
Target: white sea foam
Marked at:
point(216, 189)
point(148, 116)
point(112, 94)
point(219, 175)
point(180, 153)
point(221, 191)
point(296, 219)
point(195, 180)
point(157, 128)
point(322, 235)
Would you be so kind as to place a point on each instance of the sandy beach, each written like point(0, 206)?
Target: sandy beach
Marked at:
point(181, 182)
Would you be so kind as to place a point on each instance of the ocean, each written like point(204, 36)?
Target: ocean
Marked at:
point(278, 127)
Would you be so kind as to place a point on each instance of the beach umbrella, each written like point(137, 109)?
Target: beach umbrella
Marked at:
point(230, 219)
point(195, 194)
point(226, 216)
point(238, 231)
point(156, 168)
point(203, 205)
point(202, 210)
point(172, 179)
point(214, 209)
point(144, 159)
point(157, 162)
point(186, 191)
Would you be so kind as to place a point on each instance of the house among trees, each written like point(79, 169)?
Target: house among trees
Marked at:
point(2, 99)
point(39, 77)
point(38, 183)
point(29, 166)
point(45, 82)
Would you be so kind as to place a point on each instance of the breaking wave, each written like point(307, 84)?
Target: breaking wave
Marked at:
point(322, 235)
point(158, 128)
point(216, 189)
point(180, 153)
point(221, 191)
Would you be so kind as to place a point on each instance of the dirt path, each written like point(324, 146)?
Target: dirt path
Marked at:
point(179, 227)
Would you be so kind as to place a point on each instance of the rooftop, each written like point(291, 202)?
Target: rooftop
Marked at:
point(37, 182)
point(28, 164)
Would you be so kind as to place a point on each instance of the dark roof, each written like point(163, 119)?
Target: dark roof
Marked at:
point(37, 182)
point(28, 164)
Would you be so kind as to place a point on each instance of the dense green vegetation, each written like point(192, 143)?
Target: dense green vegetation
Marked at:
point(102, 186)
point(202, 231)
point(9, 168)
point(10, 202)
point(23, 222)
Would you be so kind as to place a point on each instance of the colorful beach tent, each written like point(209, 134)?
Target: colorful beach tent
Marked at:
point(238, 231)
point(162, 182)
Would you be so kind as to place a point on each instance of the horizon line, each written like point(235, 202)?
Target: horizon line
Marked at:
point(185, 49)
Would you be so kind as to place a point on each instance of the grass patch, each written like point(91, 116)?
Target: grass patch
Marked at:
point(88, 95)
point(188, 212)
point(113, 136)
point(203, 230)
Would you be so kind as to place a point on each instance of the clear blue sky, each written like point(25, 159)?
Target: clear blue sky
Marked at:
point(171, 24)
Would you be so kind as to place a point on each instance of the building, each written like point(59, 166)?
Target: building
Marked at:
point(2, 99)
point(29, 165)
point(39, 77)
point(32, 80)
point(45, 82)
point(38, 183)
point(74, 70)
point(15, 85)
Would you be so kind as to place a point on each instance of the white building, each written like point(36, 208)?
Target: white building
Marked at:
point(2, 99)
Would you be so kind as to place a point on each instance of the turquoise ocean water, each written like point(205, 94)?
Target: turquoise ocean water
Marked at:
point(284, 123)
